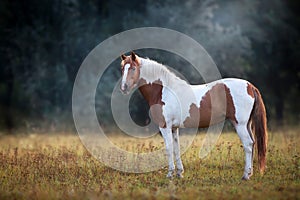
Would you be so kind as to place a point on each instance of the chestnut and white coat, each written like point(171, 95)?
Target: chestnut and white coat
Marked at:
point(176, 104)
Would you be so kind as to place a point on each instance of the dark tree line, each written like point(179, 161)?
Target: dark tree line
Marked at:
point(42, 44)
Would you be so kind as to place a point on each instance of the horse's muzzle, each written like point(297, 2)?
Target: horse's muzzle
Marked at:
point(124, 88)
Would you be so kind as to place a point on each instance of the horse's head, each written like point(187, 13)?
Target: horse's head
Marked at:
point(130, 66)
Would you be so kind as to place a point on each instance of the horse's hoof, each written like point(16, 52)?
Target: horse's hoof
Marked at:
point(170, 174)
point(245, 178)
point(179, 175)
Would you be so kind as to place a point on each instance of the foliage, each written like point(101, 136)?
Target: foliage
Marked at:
point(52, 166)
point(43, 43)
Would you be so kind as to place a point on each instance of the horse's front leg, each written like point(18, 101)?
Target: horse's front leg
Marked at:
point(176, 146)
point(167, 135)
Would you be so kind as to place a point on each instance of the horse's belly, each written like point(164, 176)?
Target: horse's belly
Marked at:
point(202, 117)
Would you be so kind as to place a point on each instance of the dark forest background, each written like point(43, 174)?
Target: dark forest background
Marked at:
point(43, 43)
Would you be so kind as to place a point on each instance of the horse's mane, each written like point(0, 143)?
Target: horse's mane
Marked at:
point(154, 70)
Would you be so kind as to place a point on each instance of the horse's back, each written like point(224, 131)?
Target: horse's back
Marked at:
point(228, 97)
point(236, 87)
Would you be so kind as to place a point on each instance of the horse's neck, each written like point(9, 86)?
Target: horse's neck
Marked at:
point(152, 71)
point(154, 77)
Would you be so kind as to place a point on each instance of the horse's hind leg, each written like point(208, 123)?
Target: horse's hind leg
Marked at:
point(167, 135)
point(176, 146)
point(248, 142)
point(253, 140)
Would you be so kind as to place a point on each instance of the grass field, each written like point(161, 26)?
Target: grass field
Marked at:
point(57, 166)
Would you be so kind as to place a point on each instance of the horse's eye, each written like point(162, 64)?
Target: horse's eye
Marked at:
point(133, 68)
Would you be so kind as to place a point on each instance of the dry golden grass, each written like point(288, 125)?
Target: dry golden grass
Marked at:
point(57, 166)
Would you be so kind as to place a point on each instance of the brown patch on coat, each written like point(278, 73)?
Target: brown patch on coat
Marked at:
point(250, 90)
point(222, 107)
point(152, 92)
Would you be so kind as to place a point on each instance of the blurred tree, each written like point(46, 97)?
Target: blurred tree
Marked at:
point(202, 20)
point(42, 44)
point(274, 56)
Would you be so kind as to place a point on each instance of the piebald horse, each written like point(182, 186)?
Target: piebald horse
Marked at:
point(161, 88)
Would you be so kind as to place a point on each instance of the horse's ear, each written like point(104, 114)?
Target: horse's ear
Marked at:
point(123, 57)
point(133, 57)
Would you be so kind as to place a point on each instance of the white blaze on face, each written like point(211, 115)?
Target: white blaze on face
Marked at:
point(124, 78)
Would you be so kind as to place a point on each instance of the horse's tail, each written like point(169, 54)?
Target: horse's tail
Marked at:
point(259, 121)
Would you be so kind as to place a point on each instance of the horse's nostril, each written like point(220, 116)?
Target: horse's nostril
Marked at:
point(124, 87)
